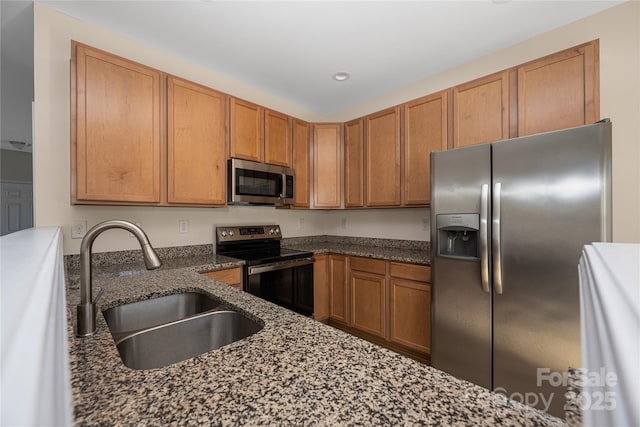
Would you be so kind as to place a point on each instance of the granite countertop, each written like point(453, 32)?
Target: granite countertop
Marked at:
point(409, 251)
point(295, 371)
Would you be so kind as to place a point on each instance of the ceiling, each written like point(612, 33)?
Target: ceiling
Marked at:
point(291, 49)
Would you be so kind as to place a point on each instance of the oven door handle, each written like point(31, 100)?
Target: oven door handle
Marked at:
point(279, 266)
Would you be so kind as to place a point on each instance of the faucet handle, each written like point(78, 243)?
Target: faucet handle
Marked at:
point(100, 292)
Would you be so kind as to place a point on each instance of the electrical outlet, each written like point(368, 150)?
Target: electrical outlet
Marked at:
point(183, 226)
point(301, 223)
point(425, 224)
point(343, 223)
point(78, 229)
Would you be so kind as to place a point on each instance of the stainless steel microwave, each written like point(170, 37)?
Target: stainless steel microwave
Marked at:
point(253, 183)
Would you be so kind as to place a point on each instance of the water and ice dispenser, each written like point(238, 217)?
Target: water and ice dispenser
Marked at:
point(458, 235)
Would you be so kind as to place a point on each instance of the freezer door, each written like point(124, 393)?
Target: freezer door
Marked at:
point(553, 199)
point(461, 307)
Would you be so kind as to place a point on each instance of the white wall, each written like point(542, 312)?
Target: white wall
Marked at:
point(617, 28)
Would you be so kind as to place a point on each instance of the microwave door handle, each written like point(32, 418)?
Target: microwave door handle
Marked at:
point(281, 186)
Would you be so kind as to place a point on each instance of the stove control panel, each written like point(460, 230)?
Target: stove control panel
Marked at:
point(235, 233)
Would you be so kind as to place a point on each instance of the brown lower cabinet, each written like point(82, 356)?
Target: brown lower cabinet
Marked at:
point(229, 276)
point(386, 302)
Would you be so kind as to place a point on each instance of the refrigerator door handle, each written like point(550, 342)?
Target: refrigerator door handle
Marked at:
point(484, 237)
point(495, 240)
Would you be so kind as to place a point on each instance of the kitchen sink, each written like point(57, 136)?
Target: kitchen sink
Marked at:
point(161, 331)
point(171, 343)
point(128, 318)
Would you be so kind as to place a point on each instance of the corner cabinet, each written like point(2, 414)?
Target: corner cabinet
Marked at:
point(386, 302)
point(301, 148)
point(321, 287)
point(338, 289)
point(327, 165)
point(559, 91)
point(196, 144)
point(116, 129)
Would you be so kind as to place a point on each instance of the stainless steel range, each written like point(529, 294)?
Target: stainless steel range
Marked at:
point(282, 276)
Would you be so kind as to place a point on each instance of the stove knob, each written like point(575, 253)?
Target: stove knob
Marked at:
point(223, 233)
point(277, 230)
point(231, 233)
point(271, 231)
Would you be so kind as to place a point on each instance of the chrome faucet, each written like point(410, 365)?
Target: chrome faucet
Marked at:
point(86, 320)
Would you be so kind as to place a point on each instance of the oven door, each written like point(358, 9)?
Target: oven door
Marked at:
point(288, 284)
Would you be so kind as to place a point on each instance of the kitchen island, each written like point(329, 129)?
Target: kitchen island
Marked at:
point(295, 371)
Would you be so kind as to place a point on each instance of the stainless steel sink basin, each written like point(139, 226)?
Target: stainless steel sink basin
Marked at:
point(167, 344)
point(145, 314)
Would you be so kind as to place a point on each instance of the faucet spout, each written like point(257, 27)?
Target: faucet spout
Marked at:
point(86, 318)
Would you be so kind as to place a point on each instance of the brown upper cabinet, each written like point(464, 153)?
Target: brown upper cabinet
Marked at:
point(196, 144)
point(327, 165)
point(120, 153)
point(382, 155)
point(354, 164)
point(246, 130)
point(142, 137)
point(277, 138)
point(481, 110)
point(259, 134)
point(301, 163)
point(425, 130)
point(559, 91)
point(116, 129)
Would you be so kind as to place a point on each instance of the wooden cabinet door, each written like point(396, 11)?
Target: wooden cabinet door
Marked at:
point(383, 158)
point(321, 287)
point(327, 165)
point(559, 91)
point(116, 143)
point(367, 287)
point(277, 138)
point(229, 276)
point(301, 163)
point(246, 130)
point(425, 130)
point(196, 144)
point(481, 110)
point(354, 164)
point(410, 322)
point(410, 301)
point(338, 298)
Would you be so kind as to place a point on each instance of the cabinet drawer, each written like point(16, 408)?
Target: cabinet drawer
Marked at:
point(230, 276)
point(368, 265)
point(420, 273)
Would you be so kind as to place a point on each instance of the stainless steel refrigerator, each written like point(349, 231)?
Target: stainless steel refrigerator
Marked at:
point(508, 223)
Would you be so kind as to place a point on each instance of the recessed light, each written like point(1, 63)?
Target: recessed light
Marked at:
point(341, 76)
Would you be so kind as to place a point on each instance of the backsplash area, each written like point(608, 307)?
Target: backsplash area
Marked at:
point(105, 259)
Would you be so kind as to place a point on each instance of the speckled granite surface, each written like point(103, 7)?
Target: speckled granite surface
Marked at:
point(412, 251)
point(295, 371)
